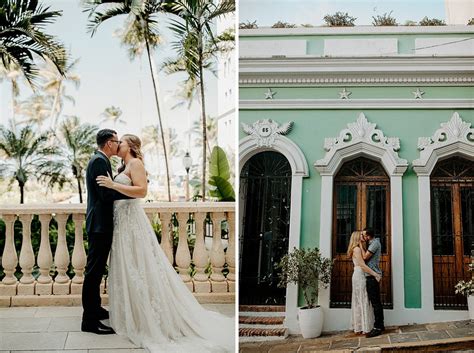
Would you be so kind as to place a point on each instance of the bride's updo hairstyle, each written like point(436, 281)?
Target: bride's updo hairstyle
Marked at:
point(135, 145)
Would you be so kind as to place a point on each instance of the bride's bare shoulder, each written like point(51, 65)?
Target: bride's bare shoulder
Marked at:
point(136, 163)
point(357, 250)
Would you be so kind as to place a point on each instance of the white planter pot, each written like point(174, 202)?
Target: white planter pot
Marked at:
point(470, 305)
point(311, 322)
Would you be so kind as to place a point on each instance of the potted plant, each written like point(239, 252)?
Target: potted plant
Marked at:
point(308, 269)
point(467, 289)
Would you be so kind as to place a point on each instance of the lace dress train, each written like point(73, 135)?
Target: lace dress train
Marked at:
point(149, 303)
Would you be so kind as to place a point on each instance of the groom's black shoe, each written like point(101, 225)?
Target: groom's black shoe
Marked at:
point(374, 333)
point(96, 327)
point(103, 314)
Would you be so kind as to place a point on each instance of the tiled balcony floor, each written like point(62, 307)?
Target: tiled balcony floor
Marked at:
point(57, 329)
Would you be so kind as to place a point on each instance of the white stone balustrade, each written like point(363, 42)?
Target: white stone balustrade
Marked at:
point(44, 280)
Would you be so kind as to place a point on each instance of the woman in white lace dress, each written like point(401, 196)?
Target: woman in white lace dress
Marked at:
point(362, 314)
point(149, 303)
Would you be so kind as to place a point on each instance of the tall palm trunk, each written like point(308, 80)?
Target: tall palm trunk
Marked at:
point(159, 118)
point(53, 116)
point(22, 193)
point(14, 94)
point(79, 188)
point(204, 124)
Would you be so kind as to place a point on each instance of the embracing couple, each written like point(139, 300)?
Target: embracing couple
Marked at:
point(148, 301)
point(365, 251)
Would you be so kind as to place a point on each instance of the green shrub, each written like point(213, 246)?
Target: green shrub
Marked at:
point(281, 24)
point(339, 19)
point(384, 20)
point(248, 25)
point(431, 22)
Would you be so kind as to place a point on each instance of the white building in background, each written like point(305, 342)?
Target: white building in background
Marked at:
point(226, 92)
point(459, 12)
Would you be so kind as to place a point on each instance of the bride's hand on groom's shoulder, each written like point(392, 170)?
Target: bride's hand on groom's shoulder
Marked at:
point(106, 181)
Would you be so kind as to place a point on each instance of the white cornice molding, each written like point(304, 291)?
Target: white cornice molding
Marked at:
point(277, 32)
point(358, 71)
point(301, 104)
point(454, 137)
point(313, 63)
point(361, 138)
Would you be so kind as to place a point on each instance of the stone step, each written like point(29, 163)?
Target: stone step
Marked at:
point(262, 308)
point(261, 320)
point(263, 332)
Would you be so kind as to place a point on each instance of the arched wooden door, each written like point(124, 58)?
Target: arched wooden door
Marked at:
point(265, 187)
point(452, 229)
point(361, 199)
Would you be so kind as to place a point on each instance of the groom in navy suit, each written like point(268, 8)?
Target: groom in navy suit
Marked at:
point(99, 227)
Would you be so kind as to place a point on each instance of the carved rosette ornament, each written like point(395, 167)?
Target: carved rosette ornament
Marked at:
point(266, 130)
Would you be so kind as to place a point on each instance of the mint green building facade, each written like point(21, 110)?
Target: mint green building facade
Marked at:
point(399, 97)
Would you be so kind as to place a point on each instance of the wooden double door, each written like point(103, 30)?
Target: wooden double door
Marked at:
point(361, 199)
point(452, 228)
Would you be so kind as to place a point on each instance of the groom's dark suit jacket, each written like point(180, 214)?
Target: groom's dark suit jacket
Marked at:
point(100, 200)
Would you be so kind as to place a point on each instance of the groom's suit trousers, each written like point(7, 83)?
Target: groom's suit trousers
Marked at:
point(373, 291)
point(99, 249)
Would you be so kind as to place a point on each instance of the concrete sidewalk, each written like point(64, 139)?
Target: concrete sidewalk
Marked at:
point(444, 336)
point(57, 329)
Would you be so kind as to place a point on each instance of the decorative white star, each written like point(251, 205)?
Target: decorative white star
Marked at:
point(418, 94)
point(344, 94)
point(269, 94)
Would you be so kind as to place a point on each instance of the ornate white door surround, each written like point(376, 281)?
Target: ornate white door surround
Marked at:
point(268, 135)
point(455, 137)
point(361, 139)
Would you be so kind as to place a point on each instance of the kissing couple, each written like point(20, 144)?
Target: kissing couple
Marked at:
point(148, 301)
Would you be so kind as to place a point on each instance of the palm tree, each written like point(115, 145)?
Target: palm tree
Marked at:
point(22, 37)
point(12, 74)
point(54, 86)
point(211, 132)
point(151, 139)
point(141, 33)
point(77, 143)
point(35, 109)
point(112, 114)
point(195, 33)
point(25, 152)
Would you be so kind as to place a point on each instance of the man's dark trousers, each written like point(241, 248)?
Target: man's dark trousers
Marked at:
point(99, 249)
point(373, 291)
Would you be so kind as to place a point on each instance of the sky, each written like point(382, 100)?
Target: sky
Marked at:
point(109, 78)
point(312, 11)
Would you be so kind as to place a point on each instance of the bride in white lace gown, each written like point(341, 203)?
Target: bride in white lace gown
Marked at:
point(148, 301)
point(362, 313)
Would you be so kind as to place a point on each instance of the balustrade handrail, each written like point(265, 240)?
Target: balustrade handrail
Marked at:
point(203, 270)
point(175, 206)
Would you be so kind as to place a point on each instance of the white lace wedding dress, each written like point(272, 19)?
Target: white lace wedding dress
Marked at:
point(362, 313)
point(148, 301)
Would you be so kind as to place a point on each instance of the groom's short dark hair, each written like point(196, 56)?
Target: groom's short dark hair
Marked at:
point(103, 136)
point(369, 232)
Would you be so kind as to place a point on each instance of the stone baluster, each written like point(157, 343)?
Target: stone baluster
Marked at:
point(150, 217)
point(61, 258)
point(230, 253)
point(44, 285)
point(200, 257)
point(27, 258)
point(217, 256)
point(78, 254)
point(183, 257)
point(9, 283)
point(166, 243)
